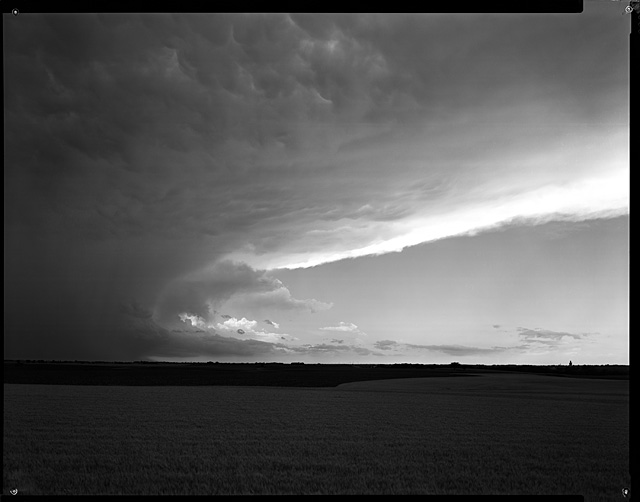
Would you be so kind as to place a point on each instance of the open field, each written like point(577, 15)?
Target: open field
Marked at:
point(269, 374)
point(489, 434)
point(279, 375)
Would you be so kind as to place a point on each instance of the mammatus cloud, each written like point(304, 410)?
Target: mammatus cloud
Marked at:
point(267, 113)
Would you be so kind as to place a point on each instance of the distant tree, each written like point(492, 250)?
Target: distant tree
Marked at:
point(570, 364)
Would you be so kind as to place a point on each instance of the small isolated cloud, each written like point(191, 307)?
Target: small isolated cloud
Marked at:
point(497, 326)
point(385, 344)
point(335, 340)
point(195, 320)
point(248, 328)
point(234, 324)
point(274, 324)
point(343, 326)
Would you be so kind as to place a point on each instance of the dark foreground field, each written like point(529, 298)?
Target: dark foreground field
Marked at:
point(280, 375)
point(270, 374)
point(493, 433)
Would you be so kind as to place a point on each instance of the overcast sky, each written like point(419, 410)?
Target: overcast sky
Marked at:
point(319, 188)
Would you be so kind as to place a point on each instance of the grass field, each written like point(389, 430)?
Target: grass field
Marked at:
point(490, 434)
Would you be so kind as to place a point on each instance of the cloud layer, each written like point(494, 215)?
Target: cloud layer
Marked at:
point(169, 163)
point(521, 341)
point(296, 140)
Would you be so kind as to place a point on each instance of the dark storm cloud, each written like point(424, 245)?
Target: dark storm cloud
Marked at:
point(194, 343)
point(170, 127)
point(140, 149)
point(138, 336)
point(112, 135)
point(136, 310)
point(202, 292)
point(136, 125)
point(221, 89)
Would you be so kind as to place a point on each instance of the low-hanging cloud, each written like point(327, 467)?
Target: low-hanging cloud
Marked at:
point(203, 292)
point(385, 344)
point(455, 350)
point(333, 349)
point(144, 338)
point(546, 336)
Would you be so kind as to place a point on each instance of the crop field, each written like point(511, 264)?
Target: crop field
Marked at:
point(488, 434)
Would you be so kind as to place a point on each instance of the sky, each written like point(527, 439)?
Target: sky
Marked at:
point(328, 188)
